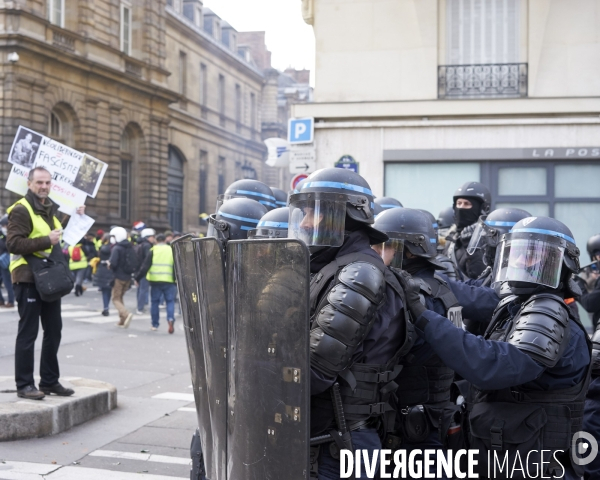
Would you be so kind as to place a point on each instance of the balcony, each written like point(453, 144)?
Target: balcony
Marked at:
point(499, 80)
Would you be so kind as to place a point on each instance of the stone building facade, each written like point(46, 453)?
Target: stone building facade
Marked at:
point(158, 89)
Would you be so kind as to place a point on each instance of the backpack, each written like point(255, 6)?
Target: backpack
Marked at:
point(76, 256)
point(130, 260)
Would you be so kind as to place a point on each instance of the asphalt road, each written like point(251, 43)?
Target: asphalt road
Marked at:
point(148, 435)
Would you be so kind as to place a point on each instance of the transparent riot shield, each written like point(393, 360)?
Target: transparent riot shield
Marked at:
point(269, 376)
point(187, 284)
point(213, 326)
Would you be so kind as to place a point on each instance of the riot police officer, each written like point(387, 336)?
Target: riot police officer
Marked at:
point(358, 322)
point(273, 224)
point(280, 197)
point(424, 407)
point(487, 235)
point(387, 202)
point(471, 200)
point(590, 297)
point(531, 369)
point(235, 218)
point(253, 189)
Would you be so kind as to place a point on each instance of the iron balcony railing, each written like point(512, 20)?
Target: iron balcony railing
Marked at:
point(497, 80)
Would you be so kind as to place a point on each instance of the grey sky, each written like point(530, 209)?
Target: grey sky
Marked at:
point(290, 40)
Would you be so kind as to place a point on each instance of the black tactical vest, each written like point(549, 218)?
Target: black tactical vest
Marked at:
point(365, 388)
point(521, 419)
point(429, 384)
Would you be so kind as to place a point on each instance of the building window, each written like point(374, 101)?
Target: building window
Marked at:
point(182, 73)
point(221, 176)
point(126, 28)
point(483, 50)
point(252, 114)
point(238, 108)
point(198, 20)
point(202, 206)
point(56, 12)
point(203, 88)
point(222, 100)
point(405, 181)
point(55, 128)
point(125, 189)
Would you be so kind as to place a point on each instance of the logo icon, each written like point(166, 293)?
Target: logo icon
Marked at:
point(584, 448)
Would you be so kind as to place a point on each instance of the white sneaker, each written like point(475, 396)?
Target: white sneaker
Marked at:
point(139, 312)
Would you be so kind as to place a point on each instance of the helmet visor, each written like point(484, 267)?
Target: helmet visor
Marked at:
point(391, 252)
point(318, 219)
point(530, 258)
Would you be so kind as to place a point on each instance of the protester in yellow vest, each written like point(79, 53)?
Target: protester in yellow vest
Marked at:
point(158, 270)
point(33, 229)
point(78, 264)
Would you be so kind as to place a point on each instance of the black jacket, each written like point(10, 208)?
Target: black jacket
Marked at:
point(104, 276)
point(591, 302)
point(117, 259)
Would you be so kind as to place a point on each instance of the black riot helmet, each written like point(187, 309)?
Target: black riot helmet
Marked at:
point(272, 225)
point(593, 246)
point(445, 218)
point(537, 252)
point(235, 218)
point(408, 229)
point(490, 228)
point(475, 191)
point(280, 197)
point(432, 219)
point(332, 201)
point(252, 189)
point(385, 203)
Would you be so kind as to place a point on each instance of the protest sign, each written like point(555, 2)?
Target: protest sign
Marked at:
point(77, 227)
point(90, 175)
point(75, 175)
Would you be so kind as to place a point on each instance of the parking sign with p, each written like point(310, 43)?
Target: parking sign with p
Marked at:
point(301, 130)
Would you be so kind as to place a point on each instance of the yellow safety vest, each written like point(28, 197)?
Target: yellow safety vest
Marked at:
point(98, 243)
point(73, 265)
point(40, 229)
point(161, 269)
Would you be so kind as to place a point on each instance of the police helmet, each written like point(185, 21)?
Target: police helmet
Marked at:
point(252, 189)
point(280, 197)
point(445, 218)
point(490, 228)
point(433, 220)
point(387, 202)
point(475, 191)
point(235, 218)
point(593, 246)
point(273, 225)
point(538, 251)
point(406, 228)
point(330, 202)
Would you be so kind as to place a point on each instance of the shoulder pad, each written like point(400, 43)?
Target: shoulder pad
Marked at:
point(365, 279)
point(440, 279)
point(424, 286)
point(541, 329)
point(505, 301)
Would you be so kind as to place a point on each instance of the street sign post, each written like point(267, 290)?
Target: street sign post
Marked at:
point(348, 163)
point(303, 159)
point(297, 179)
point(301, 130)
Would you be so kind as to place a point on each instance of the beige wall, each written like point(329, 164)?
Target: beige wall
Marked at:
point(388, 50)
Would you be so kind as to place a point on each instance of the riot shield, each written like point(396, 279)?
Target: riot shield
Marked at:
point(269, 375)
point(187, 284)
point(213, 327)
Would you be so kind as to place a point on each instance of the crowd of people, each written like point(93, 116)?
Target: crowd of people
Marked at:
point(443, 333)
point(472, 323)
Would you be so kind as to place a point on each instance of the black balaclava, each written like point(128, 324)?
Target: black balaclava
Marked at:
point(467, 216)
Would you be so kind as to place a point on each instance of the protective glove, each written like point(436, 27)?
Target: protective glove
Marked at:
point(411, 292)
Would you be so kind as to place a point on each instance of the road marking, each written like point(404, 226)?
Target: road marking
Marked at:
point(146, 457)
point(187, 409)
point(188, 397)
point(38, 471)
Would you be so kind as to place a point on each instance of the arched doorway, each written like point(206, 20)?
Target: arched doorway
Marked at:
point(175, 189)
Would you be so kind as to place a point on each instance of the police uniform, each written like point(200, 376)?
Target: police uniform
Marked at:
point(531, 369)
